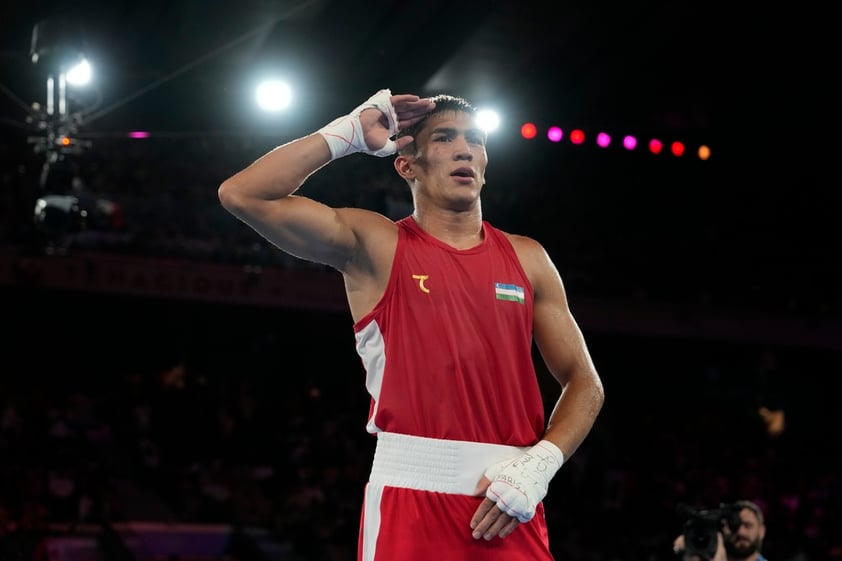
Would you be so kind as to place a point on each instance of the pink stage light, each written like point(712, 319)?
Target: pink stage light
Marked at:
point(555, 134)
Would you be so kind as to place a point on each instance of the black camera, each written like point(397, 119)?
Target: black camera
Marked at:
point(702, 526)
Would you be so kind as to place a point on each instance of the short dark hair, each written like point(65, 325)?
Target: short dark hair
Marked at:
point(444, 103)
point(752, 506)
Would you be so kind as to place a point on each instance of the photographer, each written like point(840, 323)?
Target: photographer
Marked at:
point(737, 528)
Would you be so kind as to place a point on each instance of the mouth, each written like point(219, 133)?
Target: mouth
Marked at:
point(463, 175)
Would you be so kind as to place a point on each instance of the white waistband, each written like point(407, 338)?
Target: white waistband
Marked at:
point(432, 464)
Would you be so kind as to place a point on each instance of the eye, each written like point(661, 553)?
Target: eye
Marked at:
point(478, 139)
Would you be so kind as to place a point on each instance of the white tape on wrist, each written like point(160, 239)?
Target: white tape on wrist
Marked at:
point(519, 485)
point(344, 135)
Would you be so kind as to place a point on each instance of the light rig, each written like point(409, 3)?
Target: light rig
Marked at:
point(61, 207)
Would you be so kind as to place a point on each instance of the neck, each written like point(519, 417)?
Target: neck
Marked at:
point(459, 229)
point(753, 557)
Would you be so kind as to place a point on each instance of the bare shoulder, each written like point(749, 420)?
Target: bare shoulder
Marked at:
point(376, 238)
point(364, 218)
point(368, 226)
point(531, 252)
point(537, 264)
point(524, 243)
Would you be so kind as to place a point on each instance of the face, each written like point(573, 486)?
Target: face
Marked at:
point(748, 539)
point(449, 164)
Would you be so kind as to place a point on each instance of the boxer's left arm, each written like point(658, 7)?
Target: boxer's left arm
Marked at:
point(521, 485)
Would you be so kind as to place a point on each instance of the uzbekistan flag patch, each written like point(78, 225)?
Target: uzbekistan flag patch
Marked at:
point(511, 292)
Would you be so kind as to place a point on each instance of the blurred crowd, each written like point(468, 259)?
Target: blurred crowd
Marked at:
point(189, 422)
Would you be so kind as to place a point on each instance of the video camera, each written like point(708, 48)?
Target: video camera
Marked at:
point(702, 526)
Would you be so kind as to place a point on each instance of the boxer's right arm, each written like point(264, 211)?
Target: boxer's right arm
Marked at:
point(262, 194)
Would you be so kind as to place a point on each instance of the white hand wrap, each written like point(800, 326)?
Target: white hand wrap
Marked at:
point(518, 485)
point(344, 135)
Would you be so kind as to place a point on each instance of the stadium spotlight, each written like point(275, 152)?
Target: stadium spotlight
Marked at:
point(58, 45)
point(273, 95)
point(488, 120)
point(80, 74)
point(63, 205)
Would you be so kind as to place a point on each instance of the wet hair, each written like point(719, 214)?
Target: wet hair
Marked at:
point(444, 103)
point(752, 506)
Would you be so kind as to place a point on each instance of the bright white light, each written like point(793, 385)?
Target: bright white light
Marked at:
point(80, 74)
point(274, 95)
point(488, 120)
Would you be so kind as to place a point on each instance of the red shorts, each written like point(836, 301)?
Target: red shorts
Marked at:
point(430, 526)
point(419, 503)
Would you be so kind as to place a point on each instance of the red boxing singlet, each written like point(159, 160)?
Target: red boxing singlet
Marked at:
point(448, 357)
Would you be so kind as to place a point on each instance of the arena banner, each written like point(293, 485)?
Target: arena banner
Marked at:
point(105, 273)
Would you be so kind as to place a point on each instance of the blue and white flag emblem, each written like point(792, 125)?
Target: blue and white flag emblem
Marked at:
point(510, 292)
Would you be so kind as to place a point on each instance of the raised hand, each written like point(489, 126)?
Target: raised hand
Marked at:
point(370, 127)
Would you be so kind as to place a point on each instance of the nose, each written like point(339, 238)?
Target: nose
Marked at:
point(462, 149)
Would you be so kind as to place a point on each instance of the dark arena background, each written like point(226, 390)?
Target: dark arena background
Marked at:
point(173, 388)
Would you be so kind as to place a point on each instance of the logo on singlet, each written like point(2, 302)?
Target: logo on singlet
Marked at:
point(511, 292)
point(421, 279)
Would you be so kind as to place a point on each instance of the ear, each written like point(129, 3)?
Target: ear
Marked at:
point(403, 165)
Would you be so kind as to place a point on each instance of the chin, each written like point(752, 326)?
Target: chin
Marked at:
point(464, 204)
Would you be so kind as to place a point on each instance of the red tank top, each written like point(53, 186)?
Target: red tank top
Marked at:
point(448, 349)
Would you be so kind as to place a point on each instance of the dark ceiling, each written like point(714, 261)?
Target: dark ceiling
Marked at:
point(714, 72)
point(188, 65)
point(185, 65)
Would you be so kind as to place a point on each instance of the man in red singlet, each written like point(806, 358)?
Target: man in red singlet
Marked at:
point(446, 309)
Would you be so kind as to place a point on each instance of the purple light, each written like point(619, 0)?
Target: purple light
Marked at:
point(603, 139)
point(138, 134)
point(630, 142)
point(554, 134)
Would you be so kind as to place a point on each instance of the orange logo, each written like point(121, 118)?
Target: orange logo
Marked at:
point(421, 279)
